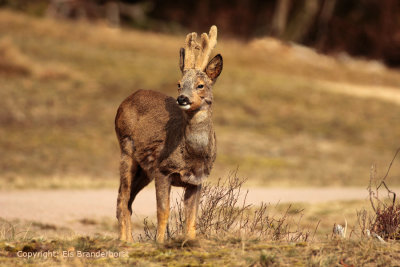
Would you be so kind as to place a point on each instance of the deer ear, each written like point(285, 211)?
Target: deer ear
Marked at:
point(214, 67)
point(182, 59)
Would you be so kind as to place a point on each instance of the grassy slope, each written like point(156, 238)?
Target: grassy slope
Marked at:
point(61, 84)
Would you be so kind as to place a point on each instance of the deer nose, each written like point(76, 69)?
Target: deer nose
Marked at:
point(183, 100)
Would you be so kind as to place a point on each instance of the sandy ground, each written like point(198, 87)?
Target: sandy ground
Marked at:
point(67, 208)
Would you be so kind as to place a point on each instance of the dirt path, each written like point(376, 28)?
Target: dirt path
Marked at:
point(65, 208)
point(385, 93)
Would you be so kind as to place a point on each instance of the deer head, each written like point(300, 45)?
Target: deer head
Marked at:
point(198, 75)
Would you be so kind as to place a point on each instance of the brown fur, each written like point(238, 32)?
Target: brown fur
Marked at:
point(160, 141)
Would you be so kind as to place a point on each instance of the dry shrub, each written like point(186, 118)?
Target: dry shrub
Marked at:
point(387, 222)
point(384, 220)
point(224, 213)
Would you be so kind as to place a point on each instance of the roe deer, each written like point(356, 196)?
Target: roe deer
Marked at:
point(169, 140)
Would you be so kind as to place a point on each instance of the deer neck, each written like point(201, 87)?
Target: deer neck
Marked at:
point(199, 131)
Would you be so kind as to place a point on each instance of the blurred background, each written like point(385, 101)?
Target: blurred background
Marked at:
point(309, 95)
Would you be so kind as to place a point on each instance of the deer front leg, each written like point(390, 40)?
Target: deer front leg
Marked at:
point(191, 201)
point(163, 189)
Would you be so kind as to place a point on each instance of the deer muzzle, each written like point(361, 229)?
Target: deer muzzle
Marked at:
point(183, 102)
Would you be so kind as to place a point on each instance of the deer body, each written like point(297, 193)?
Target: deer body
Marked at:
point(171, 141)
point(160, 136)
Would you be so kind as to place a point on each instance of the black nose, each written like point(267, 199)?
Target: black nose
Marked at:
point(183, 100)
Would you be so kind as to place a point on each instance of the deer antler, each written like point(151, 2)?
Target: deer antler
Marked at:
point(190, 50)
point(199, 59)
point(208, 43)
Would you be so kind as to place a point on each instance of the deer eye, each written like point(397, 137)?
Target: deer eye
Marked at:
point(200, 86)
point(179, 86)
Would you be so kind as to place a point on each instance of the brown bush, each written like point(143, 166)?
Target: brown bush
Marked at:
point(224, 213)
point(384, 220)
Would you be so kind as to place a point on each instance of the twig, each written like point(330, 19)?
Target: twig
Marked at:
point(375, 195)
point(372, 176)
point(315, 230)
point(390, 165)
point(389, 191)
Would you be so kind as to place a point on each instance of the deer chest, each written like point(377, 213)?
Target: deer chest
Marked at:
point(198, 144)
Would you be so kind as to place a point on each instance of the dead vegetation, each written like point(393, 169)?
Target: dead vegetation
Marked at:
point(225, 214)
point(383, 221)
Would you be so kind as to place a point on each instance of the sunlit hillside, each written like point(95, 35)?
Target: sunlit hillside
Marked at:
point(284, 115)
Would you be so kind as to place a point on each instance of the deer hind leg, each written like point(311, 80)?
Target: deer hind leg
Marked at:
point(191, 202)
point(140, 181)
point(128, 169)
point(163, 190)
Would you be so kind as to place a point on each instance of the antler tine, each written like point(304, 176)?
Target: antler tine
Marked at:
point(208, 43)
point(190, 47)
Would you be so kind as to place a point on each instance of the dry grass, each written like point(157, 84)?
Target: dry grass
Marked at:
point(228, 250)
point(21, 231)
point(204, 253)
point(277, 117)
